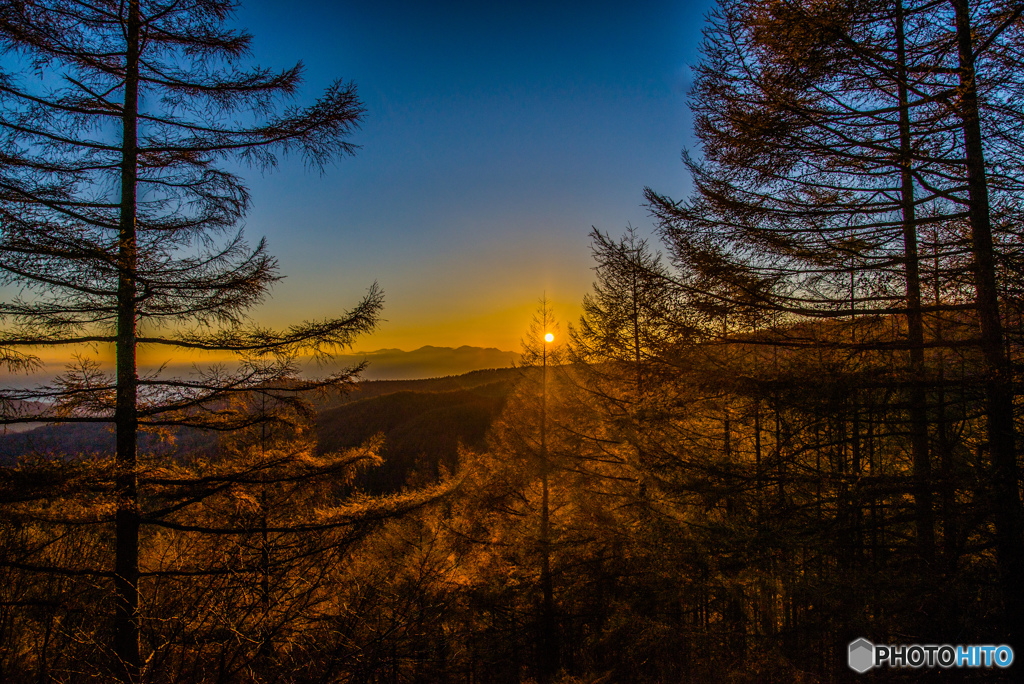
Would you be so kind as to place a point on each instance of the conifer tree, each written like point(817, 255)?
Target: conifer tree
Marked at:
point(631, 318)
point(538, 347)
point(121, 125)
point(833, 136)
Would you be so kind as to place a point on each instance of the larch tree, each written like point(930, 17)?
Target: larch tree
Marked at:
point(806, 198)
point(120, 123)
point(630, 318)
point(834, 135)
point(989, 35)
point(538, 347)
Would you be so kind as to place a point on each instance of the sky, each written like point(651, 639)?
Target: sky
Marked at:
point(496, 135)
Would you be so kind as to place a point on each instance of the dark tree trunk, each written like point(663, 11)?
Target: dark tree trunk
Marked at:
point(998, 383)
point(548, 639)
point(126, 562)
point(924, 513)
point(549, 643)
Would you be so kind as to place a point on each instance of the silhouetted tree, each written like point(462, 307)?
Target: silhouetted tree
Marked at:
point(832, 136)
point(538, 350)
point(118, 120)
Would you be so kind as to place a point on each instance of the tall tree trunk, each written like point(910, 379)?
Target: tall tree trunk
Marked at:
point(945, 449)
point(264, 631)
point(549, 645)
point(998, 387)
point(636, 326)
point(126, 561)
point(924, 512)
point(758, 461)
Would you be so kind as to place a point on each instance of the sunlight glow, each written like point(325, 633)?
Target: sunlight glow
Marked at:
point(549, 337)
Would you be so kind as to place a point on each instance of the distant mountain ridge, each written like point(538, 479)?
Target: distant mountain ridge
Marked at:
point(384, 364)
point(426, 362)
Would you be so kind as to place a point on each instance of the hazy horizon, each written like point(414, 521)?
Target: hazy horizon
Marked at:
point(424, 362)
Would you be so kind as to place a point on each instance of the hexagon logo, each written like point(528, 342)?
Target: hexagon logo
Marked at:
point(861, 656)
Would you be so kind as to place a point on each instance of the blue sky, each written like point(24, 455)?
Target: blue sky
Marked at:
point(496, 135)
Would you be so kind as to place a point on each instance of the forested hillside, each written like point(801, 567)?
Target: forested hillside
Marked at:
point(429, 417)
point(422, 431)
